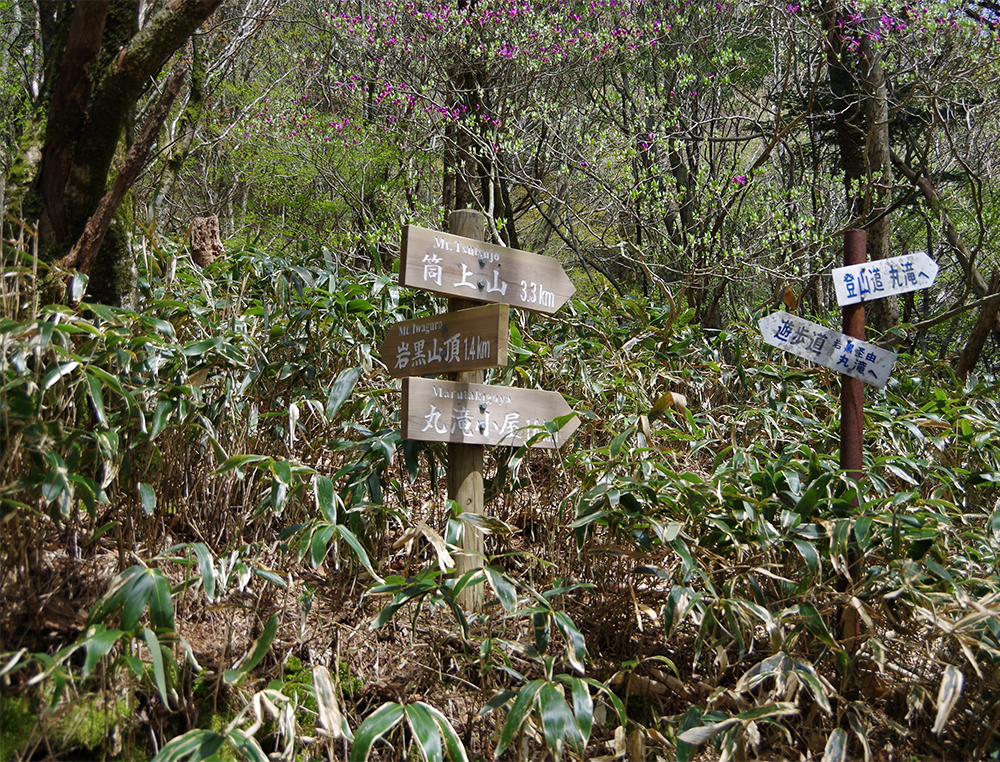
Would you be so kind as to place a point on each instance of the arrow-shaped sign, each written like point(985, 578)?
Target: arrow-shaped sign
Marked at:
point(455, 341)
point(452, 411)
point(451, 265)
point(828, 348)
point(883, 277)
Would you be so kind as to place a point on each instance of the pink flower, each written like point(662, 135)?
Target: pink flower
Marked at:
point(740, 180)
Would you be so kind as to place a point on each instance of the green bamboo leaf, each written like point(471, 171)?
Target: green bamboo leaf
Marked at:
point(161, 605)
point(248, 745)
point(540, 620)
point(425, 732)
point(576, 646)
point(518, 714)
point(558, 723)
point(502, 587)
point(273, 577)
point(703, 733)
point(196, 745)
point(160, 416)
point(583, 707)
point(862, 531)
point(372, 728)
point(57, 371)
point(282, 471)
point(159, 671)
point(860, 729)
point(325, 496)
point(809, 554)
point(807, 674)
point(206, 566)
point(137, 593)
point(619, 441)
point(257, 652)
point(359, 550)
point(148, 498)
point(836, 747)
point(98, 646)
point(609, 694)
point(237, 462)
point(691, 719)
point(198, 348)
point(167, 329)
point(96, 394)
point(341, 390)
point(815, 624)
point(452, 743)
point(320, 542)
point(778, 709)
point(952, 682)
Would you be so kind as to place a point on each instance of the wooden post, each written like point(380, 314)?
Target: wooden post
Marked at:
point(465, 462)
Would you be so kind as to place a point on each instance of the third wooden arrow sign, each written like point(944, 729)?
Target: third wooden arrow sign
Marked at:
point(451, 411)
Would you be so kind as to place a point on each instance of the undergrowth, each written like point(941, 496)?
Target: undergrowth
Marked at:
point(216, 545)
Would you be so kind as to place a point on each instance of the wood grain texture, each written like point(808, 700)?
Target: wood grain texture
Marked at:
point(452, 265)
point(470, 339)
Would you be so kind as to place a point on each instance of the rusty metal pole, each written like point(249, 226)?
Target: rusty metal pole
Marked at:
point(852, 417)
point(852, 394)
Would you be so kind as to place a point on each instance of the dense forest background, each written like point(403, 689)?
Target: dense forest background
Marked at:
point(215, 543)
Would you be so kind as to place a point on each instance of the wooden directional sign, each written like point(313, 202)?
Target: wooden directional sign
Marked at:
point(828, 348)
point(451, 265)
point(883, 277)
point(451, 411)
point(455, 341)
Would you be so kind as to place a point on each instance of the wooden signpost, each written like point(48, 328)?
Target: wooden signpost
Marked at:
point(452, 265)
point(470, 339)
point(463, 411)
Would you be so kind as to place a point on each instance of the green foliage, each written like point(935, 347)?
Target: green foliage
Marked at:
point(240, 413)
point(431, 731)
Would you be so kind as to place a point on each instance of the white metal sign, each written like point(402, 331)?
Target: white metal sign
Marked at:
point(883, 277)
point(828, 348)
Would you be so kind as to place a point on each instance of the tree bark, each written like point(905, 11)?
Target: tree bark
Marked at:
point(977, 340)
point(84, 252)
point(883, 313)
point(99, 63)
point(965, 257)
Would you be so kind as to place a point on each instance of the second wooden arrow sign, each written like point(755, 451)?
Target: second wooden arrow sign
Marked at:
point(470, 339)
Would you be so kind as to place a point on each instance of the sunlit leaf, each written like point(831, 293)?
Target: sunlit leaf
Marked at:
point(949, 692)
point(159, 670)
point(373, 727)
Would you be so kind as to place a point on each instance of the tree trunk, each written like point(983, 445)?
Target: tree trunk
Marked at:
point(883, 314)
point(99, 63)
point(977, 340)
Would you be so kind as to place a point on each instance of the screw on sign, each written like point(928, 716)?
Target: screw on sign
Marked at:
point(829, 348)
point(864, 282)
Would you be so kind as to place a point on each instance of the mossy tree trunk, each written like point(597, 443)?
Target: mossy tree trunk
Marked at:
point(98, 63)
